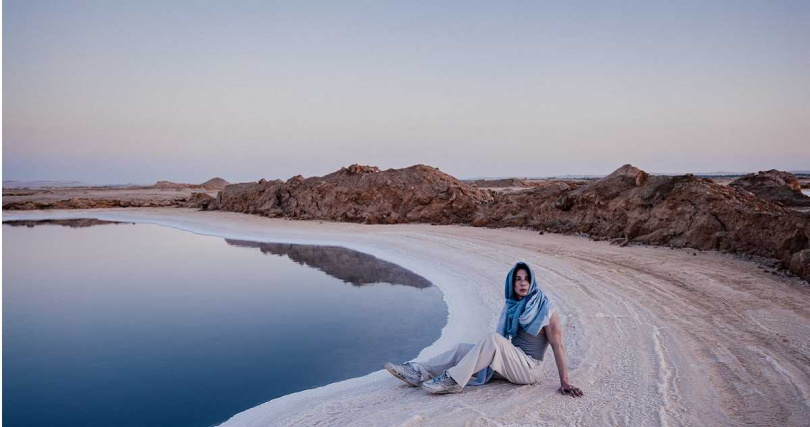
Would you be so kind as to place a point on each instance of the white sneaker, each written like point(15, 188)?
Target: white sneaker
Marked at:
point(442, 384)
point(406, 372)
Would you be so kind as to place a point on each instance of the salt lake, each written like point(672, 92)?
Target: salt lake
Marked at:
point(135, 324)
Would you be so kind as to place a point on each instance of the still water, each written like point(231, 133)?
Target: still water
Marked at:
point(142, 325)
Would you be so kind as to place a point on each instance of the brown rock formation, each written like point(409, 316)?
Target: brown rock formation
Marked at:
point(203, 201)
point(103, 197)
point(361, 194)
point(168, 185)
point(679, 211)
point(800, 263)
point(84, 203)
point(216, 183)
point(629, 204)
point(776, 186)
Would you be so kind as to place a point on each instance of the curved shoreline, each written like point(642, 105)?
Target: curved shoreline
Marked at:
point(654, 336)
point(158, 216)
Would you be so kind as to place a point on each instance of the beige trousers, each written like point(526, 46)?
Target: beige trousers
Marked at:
point(493, 350)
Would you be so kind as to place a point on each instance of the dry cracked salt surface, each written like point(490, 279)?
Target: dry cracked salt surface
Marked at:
point(654, 336)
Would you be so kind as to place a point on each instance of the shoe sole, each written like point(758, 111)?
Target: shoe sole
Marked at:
point(400, 377)
point(445, 391)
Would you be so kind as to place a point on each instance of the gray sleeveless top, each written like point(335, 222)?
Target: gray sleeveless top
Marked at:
point(534, 346)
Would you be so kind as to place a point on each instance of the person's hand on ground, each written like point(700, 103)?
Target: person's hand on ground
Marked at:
point(570, 390)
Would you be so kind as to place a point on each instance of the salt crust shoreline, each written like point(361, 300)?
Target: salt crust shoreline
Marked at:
point(653, 336)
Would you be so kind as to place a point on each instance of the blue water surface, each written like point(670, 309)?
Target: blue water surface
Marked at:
point(142, 325)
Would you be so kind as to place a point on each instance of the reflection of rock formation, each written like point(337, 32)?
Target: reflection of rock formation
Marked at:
point(350, 266)
point(72, 223)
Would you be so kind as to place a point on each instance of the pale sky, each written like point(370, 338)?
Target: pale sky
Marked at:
point(135, 91)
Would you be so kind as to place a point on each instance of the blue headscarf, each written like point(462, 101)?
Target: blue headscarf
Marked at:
point(527, 312)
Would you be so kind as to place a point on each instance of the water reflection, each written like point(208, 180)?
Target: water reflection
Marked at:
point(72, 223)
point(149, 325)
point(345, 264)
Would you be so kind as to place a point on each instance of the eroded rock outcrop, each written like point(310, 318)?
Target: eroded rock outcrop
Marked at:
point(776, 186)
point(215, 183)
point(361, 194)
point(677, 211)
point(169, 185)
point(629, 205)
point(85, 203)
point(203, 201)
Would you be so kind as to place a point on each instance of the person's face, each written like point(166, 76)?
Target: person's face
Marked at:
point(522, 283)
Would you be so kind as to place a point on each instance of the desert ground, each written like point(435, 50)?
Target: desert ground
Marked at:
point(654, 336)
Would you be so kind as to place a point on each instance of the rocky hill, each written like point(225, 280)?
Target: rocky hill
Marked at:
point(628, 205)
point(360, 194)
point(776, 186)
point(215, 183)
point(677, 211)
point(169, 185)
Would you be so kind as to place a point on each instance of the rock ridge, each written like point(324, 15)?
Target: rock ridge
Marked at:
point(628, 205)
point(361, 194)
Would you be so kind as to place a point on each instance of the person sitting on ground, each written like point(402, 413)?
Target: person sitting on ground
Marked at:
point(528, 318)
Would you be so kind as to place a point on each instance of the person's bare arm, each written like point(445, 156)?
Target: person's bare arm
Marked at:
point(554, 334)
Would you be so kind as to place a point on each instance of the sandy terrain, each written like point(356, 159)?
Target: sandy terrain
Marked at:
point(654, 336)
